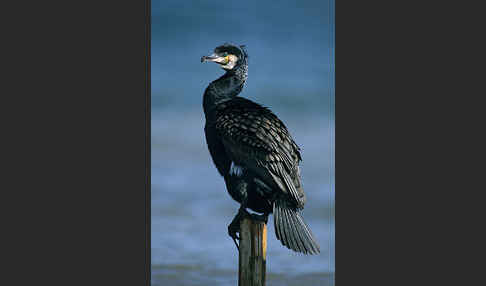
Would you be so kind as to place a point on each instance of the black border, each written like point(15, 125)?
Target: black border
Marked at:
point(76, 143)
point(407, 96)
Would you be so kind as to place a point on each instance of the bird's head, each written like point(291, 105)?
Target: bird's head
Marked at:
point(228, 56)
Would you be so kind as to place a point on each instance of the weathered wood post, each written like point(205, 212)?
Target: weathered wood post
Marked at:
point(253, 252)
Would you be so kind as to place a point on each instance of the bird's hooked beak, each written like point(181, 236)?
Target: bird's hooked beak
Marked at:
point(215, 58)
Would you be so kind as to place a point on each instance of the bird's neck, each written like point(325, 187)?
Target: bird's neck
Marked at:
point(224, 88)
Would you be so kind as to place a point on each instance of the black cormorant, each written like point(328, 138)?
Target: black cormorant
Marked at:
point(255, 153)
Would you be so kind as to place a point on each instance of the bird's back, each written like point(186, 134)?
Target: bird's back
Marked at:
point(251, 136)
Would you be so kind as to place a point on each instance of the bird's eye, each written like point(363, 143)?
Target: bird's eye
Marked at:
point(225, 54)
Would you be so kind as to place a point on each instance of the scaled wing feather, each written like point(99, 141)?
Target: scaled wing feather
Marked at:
point(256, 139)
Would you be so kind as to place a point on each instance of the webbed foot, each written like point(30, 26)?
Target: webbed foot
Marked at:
point(234, 226)
point(233, 230)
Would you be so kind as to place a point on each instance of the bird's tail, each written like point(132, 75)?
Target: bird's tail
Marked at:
point(291, 229)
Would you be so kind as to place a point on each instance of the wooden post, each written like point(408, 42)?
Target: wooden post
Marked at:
point(253, 253)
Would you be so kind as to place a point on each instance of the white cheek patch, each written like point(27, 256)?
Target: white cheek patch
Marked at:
point(232, 59)
point(236, 170)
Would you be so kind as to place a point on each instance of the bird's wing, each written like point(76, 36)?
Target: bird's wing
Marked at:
point(256, 139)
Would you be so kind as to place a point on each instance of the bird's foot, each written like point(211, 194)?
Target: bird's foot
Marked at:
point(233, 230)
point(234, 226)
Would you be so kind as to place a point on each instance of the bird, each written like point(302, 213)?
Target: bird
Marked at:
point(254, 152)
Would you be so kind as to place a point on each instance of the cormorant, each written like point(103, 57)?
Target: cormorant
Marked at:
point(255, 154)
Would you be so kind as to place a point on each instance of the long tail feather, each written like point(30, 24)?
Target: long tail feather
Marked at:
point(291, 229)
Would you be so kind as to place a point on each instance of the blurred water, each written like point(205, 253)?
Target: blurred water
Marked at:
point(291, 70)
point(290, 46)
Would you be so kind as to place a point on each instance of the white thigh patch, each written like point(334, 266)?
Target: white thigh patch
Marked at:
point(236, 170)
